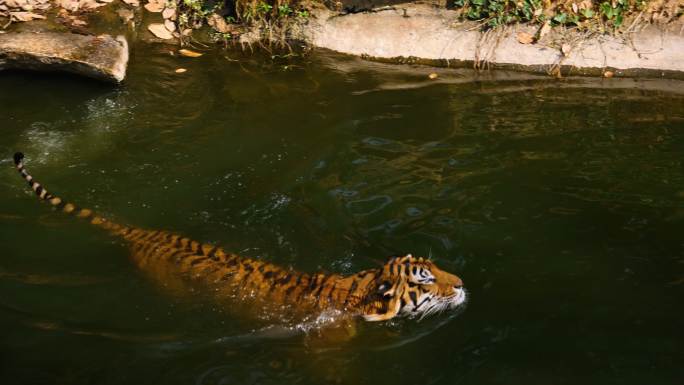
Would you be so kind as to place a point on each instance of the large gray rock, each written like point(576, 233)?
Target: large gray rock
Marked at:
point(423, 33)
point(101, 57)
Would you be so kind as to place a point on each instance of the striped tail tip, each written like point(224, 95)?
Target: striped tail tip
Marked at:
point(18, 157)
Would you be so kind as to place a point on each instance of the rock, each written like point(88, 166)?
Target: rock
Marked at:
point(125, 14)
point(101, 57)
point(155, 6)
point(428, 36)
point(219, 24)
point(169, 13)
point(160, 31)
point(170, 25)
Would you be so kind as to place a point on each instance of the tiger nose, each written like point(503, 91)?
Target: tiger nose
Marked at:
point(458, 284)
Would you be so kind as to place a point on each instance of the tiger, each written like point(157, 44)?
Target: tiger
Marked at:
point(404, 286)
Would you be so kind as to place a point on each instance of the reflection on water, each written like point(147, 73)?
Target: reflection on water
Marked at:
point(560, 203)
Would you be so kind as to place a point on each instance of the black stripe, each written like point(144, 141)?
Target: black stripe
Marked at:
point(212, 254)
point(320, 288)
point(272, 285)
point(249, 268)
point(293, 287)
point(181, 255)
point(421, 304)
point(414, 297)
point(285, 279)
point(198, 260)
point(351, 290)
point(330, 293)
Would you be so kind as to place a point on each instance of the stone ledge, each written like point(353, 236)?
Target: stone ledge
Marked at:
point(424, 33)
point(102, 57)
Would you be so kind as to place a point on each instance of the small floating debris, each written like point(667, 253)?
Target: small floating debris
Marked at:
point(189, 53)
point(181, 70)
point(433, 76)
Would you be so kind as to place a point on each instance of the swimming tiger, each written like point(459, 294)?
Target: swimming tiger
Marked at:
point(404, 286)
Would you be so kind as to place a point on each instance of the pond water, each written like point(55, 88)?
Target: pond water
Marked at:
point(559, 202)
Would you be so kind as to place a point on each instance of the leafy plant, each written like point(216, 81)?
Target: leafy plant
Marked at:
point(494, 13)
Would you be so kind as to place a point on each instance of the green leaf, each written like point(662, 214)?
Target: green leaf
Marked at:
point(560, 18)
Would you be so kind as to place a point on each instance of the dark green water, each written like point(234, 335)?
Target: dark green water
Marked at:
point(559, 203)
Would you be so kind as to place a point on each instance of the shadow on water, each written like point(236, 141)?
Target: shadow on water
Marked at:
point(560, 204)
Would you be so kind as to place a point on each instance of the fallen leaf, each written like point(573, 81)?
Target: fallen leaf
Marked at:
point(565, 49)
point(78, 22)
point(189, 53)
point(608, 74)
point(170, 25)
point(433, 76)
point(546, 28)
point(575, 8)
point(69, 5)
point(160, 31)
point(181, 70)
point(524, 38)
point(15, 3)
point(25, 16)
point(89, 4)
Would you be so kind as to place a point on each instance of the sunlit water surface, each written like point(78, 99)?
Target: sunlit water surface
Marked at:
point(559, 202)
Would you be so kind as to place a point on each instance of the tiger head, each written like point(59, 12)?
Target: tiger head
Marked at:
point(410, 287)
